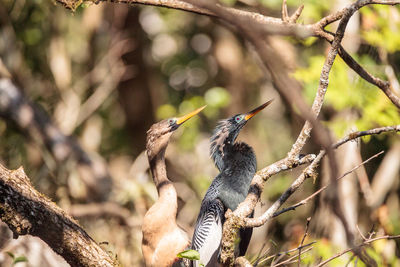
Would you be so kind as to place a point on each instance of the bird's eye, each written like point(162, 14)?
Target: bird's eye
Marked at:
point(238, 118)
point(171, 121)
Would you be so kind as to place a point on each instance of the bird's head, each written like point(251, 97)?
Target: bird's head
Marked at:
point(159, 133)
point(227, 130)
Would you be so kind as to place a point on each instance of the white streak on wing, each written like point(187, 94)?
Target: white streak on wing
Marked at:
point(212, 242)
point(208, 234)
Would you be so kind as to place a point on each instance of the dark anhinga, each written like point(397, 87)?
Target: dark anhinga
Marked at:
point(162, 239)
point(237, 164)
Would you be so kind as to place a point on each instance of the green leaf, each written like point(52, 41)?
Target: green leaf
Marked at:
point(10, 254)
point(189, 254)
point(20, 259)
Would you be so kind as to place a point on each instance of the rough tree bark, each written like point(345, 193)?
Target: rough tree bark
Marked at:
point(28, 212)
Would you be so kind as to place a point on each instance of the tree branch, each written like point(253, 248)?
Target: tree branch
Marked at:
point(310, 171)
point(302, 240)
point(26, 211)
point(305, 201)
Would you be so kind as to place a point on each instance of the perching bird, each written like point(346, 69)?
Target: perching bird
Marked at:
point(237, 164)
point(162, 239)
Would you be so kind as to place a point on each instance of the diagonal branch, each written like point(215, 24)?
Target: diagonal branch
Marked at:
point(26, 211)
point(385, 86)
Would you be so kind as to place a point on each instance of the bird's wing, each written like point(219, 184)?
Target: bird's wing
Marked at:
point(208, 232)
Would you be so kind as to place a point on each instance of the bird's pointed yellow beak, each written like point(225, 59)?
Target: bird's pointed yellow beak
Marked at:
point(188, 116)
point(250, 114)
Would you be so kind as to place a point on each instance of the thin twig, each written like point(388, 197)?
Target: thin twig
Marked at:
point(361, 234)
point(285, 14)
point(302, 241)
point(285, 252)
point(290, 260)
point(296, 14)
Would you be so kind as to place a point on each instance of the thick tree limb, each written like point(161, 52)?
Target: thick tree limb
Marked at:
point(26, 211)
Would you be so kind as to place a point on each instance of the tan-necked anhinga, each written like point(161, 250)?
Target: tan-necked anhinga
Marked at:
point(162, 239)
point(237, 164)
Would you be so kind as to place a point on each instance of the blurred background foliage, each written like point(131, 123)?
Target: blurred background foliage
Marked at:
point(105, 73)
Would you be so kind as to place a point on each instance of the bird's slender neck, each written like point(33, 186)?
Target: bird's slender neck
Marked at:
point(158, 169)
point(156, 147)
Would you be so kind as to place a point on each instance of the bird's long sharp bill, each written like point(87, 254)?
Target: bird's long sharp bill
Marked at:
point(188, 116)
point(250, 114)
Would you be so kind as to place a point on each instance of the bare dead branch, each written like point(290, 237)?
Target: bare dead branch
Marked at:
point(26, 211)
point(285, 14)
point(308, 172)
point(385, 86)
point(296, 14)
point(302, 240)
point(375, 131)
point(361, 234)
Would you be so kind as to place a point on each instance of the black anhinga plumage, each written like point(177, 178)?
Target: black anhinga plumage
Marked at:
point(237, 164)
